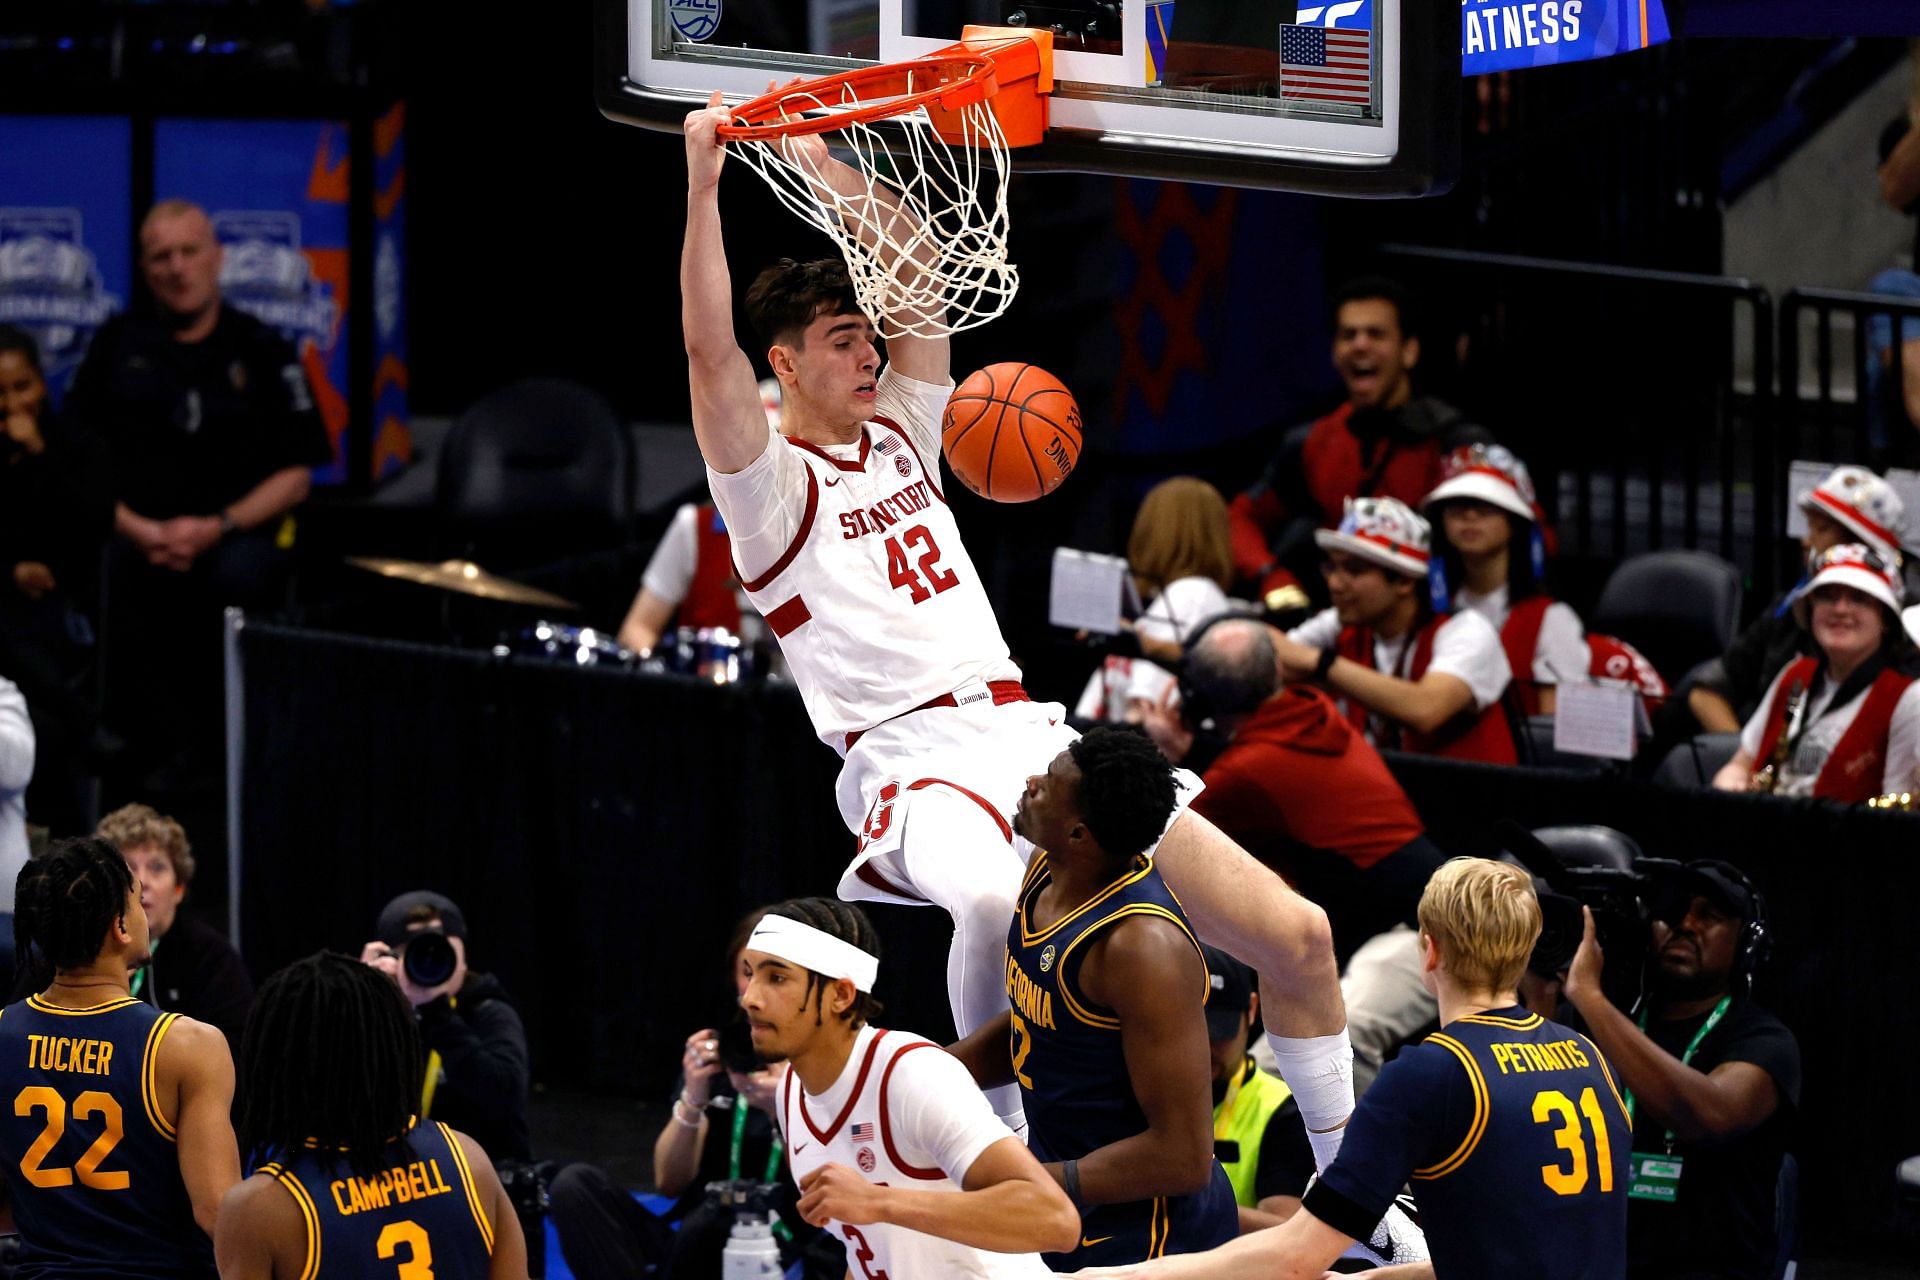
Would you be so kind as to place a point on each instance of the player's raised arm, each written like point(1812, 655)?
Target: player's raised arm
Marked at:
point(728, 421)
point(197, 1056)
point(874, 214)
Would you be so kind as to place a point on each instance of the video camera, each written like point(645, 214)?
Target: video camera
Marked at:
point(1625, 903)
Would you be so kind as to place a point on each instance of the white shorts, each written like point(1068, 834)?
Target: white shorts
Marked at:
point(984, 752)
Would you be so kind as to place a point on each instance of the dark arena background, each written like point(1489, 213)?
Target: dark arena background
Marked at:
point(1670, 267)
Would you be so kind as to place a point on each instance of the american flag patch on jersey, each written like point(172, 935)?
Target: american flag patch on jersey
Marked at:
point(861, 1133)
point(888, 445)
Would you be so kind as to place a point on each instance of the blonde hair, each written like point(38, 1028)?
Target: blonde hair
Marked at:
point(1180, 532)
point(139, 826)
point(1484, 917)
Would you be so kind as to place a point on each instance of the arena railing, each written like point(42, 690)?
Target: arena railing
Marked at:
point(1641, 400)
point(1834, 404)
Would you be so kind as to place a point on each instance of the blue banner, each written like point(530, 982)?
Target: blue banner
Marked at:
point(1508, 35)
point(392, 442)
point(277, 191)
point(66, 232)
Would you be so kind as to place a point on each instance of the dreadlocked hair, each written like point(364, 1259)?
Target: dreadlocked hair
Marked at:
point(848, 923)
point(1126, 788)
point(64, 903)
point(330, 1060)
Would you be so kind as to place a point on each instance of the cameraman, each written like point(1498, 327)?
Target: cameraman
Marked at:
point(1712, 1079)
point(476, 1077)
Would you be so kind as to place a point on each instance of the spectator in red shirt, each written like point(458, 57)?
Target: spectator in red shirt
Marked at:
point(1302, 790)
point(1384, 441)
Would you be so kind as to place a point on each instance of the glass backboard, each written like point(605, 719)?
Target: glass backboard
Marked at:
point(1353, 97)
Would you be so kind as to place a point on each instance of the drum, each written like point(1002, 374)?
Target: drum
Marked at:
point(575, 646)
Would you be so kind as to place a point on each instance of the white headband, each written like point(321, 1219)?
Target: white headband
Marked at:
point(814, 949)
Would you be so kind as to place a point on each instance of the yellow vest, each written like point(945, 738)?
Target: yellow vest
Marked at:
point(1252, 1098)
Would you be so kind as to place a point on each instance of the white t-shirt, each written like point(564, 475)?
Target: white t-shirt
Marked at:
point(1170, 617)
point(1821, 725)
point(669, 573)
point(902, 1112)
point(1467, 647)
point(1559, 654)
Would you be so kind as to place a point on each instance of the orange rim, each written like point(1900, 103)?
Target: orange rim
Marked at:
point(962, 80)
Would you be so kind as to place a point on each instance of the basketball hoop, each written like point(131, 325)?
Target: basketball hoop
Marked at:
point(925, 247)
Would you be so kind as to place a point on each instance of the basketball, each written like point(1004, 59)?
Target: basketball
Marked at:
point(1011, 432)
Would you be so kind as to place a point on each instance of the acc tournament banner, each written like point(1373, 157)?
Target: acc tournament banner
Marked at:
point(277, 192)
point(1508, 35)
point(66, 232)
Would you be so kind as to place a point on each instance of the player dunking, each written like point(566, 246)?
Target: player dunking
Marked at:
point(119, 1143)
point(845, 544)
point(894, 1149)
point(348, 1184)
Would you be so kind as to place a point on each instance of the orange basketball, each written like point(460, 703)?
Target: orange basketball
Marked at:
point(1011, 432)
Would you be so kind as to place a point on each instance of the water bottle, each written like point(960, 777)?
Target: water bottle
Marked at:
point(751, 1253)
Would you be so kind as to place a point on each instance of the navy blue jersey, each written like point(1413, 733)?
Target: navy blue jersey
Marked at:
point(1516, 1140)
point(90, 1156)
point(421, 1214)
point(1073, 1074)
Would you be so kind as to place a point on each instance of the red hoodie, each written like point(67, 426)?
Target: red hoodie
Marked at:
point(1298, 775)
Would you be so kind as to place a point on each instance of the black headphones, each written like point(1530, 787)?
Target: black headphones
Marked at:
point(1194, 708)
point(1754, 947)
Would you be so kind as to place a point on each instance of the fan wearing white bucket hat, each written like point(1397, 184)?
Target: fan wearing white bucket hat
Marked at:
point(1411, 678)
point(1488, 538)
point(1844, 723)
point(1851, 505)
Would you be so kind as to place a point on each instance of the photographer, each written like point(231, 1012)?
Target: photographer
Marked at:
point(1713, 1080)
point(476, 1078)
point(722, 1128)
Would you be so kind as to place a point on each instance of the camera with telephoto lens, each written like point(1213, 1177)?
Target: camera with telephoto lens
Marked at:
point(427, 958)
point(739, 1198)
point(1625, 903)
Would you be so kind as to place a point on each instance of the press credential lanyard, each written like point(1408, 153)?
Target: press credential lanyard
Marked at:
point(1657, 1176)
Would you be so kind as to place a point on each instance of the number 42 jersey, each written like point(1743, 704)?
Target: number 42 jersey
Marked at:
point(876, 604)
point(91, 1164)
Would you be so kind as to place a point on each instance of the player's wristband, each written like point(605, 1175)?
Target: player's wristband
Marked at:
point(1328, 656)
point(1070, 1179)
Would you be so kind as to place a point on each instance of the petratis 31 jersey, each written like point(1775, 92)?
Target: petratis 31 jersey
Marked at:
point(904, 1113)
point(854, 560)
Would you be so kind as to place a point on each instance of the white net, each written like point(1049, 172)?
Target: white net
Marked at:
point(926, 249)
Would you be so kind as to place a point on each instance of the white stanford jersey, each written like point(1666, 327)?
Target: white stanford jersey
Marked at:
point(904, 1113)
point(876, 604)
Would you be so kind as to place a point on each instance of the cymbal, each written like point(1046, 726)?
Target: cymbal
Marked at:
point(463, 577)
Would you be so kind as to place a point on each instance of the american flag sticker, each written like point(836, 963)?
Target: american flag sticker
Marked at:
point(1326, 64)
point(861, 1133)
point(888, 445)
